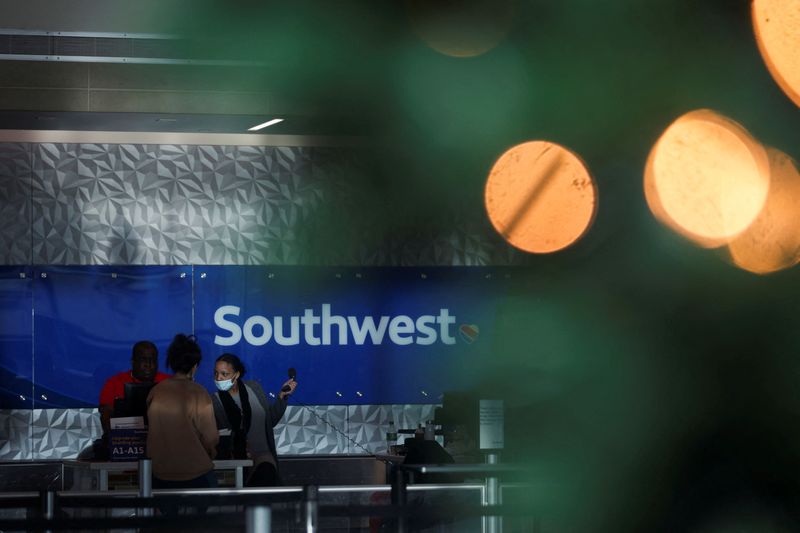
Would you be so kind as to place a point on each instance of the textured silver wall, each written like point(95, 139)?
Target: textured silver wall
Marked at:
point(62, 433)
point(171, 204)
point(143, 204)
point(15, 204)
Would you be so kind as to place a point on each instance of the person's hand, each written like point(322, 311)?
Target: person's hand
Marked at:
point(291, 384)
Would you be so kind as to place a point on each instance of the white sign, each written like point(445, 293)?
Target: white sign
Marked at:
point(491, 424)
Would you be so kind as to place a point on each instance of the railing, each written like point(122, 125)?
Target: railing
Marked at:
point(490, 496)
point(261, 505)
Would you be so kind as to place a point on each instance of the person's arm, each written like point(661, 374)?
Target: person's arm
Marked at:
point(105, 417)
point(274, 409)
point(278, 407)
point(219, 413)
point(206, 425)
point(106, 405)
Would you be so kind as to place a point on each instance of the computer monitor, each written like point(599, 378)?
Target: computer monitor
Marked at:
point(134, 402)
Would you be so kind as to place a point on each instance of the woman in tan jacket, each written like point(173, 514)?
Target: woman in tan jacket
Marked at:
point(182, 433)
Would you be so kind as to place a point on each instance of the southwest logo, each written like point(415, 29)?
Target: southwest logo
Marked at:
point(468, 332)
point(325, 328)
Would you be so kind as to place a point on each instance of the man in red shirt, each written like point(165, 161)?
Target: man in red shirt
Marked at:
point(144, 369)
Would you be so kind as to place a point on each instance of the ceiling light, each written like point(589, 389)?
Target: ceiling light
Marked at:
point(265, 124)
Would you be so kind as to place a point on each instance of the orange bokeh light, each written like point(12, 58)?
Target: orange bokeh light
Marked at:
point(706, 178)
point(654, 202)
point(772, 242)
point(777, 27)
point(540, 197)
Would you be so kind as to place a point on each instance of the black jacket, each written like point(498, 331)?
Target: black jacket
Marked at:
point(274, 412)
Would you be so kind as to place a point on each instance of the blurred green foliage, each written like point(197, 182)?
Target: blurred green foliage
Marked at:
point(650, 384)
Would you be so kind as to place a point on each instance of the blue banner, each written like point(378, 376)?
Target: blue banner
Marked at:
point(16, 340)
point(86, 320)
point(354, 336)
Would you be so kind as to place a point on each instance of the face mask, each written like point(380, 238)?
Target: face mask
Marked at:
point(224, 384)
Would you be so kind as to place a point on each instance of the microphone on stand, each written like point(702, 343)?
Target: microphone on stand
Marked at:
point(292, 376)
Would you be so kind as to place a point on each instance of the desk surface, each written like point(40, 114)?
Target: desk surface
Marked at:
point(119, 466)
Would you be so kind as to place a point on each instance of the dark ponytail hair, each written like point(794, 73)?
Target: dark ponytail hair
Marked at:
point(183, 353)
point(234, 361)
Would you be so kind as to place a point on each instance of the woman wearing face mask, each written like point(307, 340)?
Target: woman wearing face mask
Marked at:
point(182, 434)
point(243, 408)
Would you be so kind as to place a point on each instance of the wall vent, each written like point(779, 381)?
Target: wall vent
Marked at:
point(26, 45)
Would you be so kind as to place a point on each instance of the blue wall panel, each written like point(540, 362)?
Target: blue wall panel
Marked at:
point(16, 342)
point(87, 319)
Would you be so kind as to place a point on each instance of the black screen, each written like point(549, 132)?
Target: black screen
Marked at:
point(135, 402)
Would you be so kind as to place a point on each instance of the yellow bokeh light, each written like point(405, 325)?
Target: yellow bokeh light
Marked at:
point(772, 242)
point(540, 197)
point(707, 178)
point(777, 27)
point(461, 28)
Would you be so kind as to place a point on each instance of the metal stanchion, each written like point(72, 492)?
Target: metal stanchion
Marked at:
point(258, 519)
point(48, 502)
point(145, 485)
point(310, 494)
point(399, 490)
point(400, 497)
point(492, 495)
